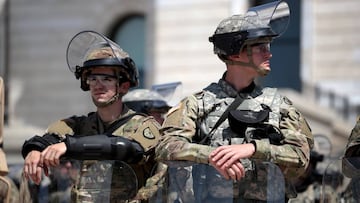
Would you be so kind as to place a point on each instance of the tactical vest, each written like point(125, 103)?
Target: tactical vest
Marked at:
point(211, 107)
point(212, 104)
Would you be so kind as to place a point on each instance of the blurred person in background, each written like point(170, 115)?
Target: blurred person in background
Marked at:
point(151, 103)
point(148, 102)
point(9, 192)
point(351, 159)
point(351, 164)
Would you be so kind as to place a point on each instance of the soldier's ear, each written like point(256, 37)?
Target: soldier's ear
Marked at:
point(124, 87)
point(234, 57)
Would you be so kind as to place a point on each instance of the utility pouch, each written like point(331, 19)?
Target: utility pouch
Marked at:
point(264, 131)
point(240, 120)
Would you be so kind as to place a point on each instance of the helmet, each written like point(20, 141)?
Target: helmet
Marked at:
point(260, 24)
point(144, 101)
point(89, 49)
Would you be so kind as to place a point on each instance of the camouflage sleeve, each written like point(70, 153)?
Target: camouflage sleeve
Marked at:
point(144, 130)
point(293, 154)
point(62, 128)
point(178, 131)
point(353, 145)
point(3, 162)
point(350, 161)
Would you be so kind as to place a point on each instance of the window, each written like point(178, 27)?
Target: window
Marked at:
point(129, 33)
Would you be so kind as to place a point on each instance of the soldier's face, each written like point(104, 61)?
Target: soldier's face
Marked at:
point(103, 84)
point(261, 56)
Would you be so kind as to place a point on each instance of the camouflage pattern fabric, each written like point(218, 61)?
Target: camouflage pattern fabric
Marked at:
point(291, 154)
point(353, 145)
point(142, 129)
point(351, 159)
point(9, 192)
point(4, 185)
point(5, 189)
point(237, 23)
point(311, 194)
point(24, 192)
point(104, 181)
point(154, 184)
point(3, 163)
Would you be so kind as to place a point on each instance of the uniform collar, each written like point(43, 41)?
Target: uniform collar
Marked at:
point(103, 126)
point(231, 91)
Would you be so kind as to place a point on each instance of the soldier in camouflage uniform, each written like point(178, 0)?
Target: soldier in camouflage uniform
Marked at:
point(235, 125)
point(352, 152)
point(351, 163)
point(9, 192)
point(112, 132)
point(5, 186)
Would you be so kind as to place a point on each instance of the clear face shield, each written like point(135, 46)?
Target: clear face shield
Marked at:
point(260, 24)
point(89, 49)
point(82, 48)
point(275, 14)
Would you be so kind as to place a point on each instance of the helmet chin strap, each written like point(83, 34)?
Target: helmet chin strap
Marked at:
point(112, 100)
point(251, 63)
point(109, 102)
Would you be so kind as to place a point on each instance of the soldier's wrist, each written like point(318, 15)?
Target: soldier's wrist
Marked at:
point(254, 143)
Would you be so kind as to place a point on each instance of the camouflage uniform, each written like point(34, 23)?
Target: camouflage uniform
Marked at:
point(353, 145)
point(180, 143)
point(261, 116)
point(143, 130)
point(350, 161)
point(130, 138)
point(8, 190)
point(4, 184)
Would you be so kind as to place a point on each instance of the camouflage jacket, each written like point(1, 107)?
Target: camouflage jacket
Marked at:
point(142, 129)
point(3, 163)
point(350, 161)
point(179, 130)
point(353, 144)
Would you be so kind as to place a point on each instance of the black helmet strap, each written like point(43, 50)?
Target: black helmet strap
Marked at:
point(250, 56)
point(104, 62)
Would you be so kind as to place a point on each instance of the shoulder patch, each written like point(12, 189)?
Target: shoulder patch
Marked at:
point(148, 134)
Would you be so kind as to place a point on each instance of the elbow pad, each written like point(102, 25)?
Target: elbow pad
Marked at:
point(128, 151)
point(103, 147)
point(97, 147)
point(38, 143)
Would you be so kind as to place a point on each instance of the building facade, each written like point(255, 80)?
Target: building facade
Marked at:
point(169, 42)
